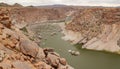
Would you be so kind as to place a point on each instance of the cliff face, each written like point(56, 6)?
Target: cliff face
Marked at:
point(38, 14)
point(96, 29)
point(17, 51)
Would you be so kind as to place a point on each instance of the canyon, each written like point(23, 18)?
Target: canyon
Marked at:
point(92, 28)
point(97, 28)
point(17, 51)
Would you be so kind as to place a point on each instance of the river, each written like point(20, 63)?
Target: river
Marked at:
point(86, 60)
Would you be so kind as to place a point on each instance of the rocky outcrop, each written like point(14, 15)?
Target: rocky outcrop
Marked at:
point(37, 15)
point(17, 51)
point(95, 28)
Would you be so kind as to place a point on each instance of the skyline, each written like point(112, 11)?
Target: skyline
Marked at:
point(65, 2)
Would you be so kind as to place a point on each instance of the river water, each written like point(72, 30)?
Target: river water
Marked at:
point(86, 60)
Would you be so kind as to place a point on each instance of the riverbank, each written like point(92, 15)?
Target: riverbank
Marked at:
point(95, 31)
point(88, 59)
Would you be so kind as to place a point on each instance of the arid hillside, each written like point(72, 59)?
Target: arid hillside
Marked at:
point(96, 29)
point(38, 14)
point(17, 51)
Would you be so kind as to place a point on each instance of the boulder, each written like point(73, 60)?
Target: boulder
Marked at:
point(29, 48)
point(62, 67)
point(52, 60)
point(63, 61)
point(22, 65)
point(40, 55)
point(42, 65)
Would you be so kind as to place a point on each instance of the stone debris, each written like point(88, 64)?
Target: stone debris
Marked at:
point(54, 33)
point(75, 53)
point(40, 37)
point(17, 51)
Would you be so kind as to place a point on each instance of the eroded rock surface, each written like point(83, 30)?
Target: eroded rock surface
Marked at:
point(17, 51)
point(95, 28)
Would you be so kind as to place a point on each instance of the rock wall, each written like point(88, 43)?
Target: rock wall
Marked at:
point(38, 14)
point(17, 51)
point(96, 29)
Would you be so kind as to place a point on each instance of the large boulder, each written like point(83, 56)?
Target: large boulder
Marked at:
point(29, 48)
point(22, 65)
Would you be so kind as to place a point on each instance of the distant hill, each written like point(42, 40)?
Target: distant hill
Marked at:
point(4, 5)
point(53, 6)
point(7, 5)
point(17, 5)
point(30, 6)
point(58, 5)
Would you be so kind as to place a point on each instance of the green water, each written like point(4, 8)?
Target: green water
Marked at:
point(86, 60)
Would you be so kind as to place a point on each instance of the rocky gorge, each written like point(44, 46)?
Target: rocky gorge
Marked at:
point(26, 31)
point(97, 28)
point(17, 51)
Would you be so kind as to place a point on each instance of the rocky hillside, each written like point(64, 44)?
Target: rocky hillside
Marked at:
point(38, 14)
point(95, 28)
point(17, 51)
